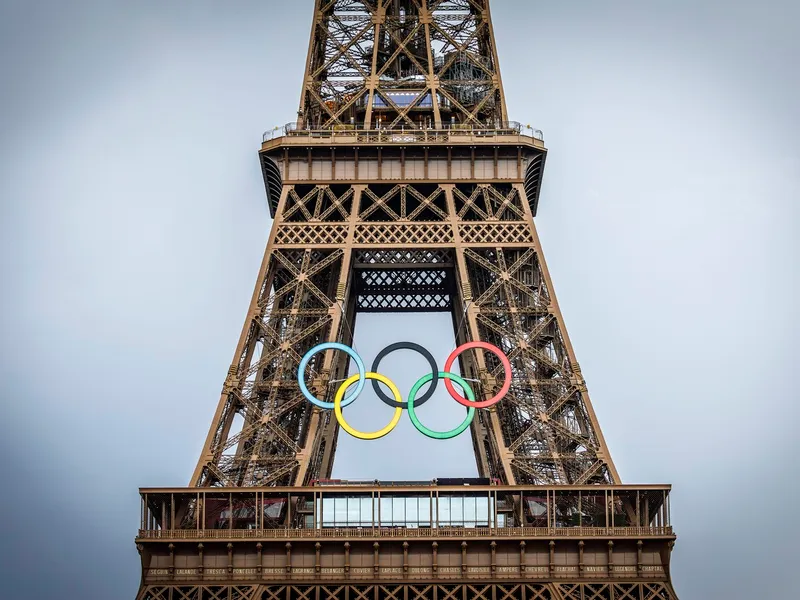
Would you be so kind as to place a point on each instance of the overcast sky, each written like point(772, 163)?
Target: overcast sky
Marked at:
point(134, 220)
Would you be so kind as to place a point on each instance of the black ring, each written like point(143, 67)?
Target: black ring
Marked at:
point(416, 348)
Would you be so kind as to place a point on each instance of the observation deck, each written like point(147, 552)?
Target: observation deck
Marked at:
point(505, 153)
point(510, 132)
point(346, 530)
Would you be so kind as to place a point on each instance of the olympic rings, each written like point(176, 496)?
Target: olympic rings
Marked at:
point(506, 368)
point(416, 348)
point(437, 435)
point(342, 398)
point(337, 403)
point(301, 374)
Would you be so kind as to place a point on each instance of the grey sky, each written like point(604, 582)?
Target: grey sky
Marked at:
point(133, 221)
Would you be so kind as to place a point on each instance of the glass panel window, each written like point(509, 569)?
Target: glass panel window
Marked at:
point(470, 512)
point(366, 512)
point(327, 512)
point(424, 512)
point(343, 511)
point(398, 512)
point(386, 512)
point(482, 511)
point(412, 512)
point(340, 515)
point(456, 512)
point(443, 508)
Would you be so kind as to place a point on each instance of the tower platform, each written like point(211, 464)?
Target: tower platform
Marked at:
point(407, 541)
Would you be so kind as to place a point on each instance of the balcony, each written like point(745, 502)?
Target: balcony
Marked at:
point(405, 512)
point(449, 133)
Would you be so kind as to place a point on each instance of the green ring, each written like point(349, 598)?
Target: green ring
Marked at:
point(441, 435)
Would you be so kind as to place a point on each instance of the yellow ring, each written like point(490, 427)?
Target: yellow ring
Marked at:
point(337, 407)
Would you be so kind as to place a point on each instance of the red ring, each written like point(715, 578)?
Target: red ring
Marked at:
point(506, 367)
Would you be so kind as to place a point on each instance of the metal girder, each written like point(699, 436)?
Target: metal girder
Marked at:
point(471, 590)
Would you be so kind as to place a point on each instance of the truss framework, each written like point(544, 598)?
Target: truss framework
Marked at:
point(403, 187)
point(401, 63)
point(402, 591)
point(476, 253)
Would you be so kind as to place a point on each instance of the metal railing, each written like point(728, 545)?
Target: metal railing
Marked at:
point(406, 134)
point(406, 533)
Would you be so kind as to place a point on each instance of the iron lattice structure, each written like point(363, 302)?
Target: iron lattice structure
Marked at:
point(418, 215)
point(404, 187)
point(529, 591)
point(404, 55)
point(469, 248)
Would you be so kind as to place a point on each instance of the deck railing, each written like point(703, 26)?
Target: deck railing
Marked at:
point(446, 133)
point(406, 533)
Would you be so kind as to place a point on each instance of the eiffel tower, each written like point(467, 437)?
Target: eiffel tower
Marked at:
point(404, 187)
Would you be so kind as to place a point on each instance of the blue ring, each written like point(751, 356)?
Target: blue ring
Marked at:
point(301, 373)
